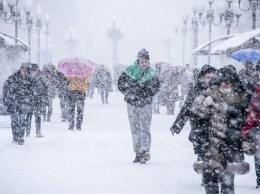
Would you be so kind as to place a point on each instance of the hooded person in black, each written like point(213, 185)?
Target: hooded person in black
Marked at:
point(198, 133)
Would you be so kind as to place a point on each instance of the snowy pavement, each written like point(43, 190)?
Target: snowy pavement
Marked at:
point(99, 158)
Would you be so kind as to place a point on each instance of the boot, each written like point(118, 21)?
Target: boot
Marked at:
point(146, 157)
point(48, 119)
point(138, 158)
point(20, 141)
point(27, 134)
point(39, 135)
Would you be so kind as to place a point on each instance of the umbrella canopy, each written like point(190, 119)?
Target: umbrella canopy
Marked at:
point(240, 41)
point(76, 67)
point(204, 48)
point(246, 55)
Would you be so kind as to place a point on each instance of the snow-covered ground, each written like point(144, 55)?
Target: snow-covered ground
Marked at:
point(99, 158)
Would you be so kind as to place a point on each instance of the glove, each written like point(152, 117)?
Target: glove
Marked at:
point(174, 130)
point(208, 101)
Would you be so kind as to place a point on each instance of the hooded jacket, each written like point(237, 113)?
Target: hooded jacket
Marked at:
point(199, 126)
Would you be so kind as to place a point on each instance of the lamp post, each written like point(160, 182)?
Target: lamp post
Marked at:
point(28, 25)
point(252, 5)
point(72, 39)
point(114, 33)
point(197, 9)
point(225, 13)
point(38, 29)
point(46, 32)
point(185, 18)
point(228, 14)
point(10, 13)
point(168, 40)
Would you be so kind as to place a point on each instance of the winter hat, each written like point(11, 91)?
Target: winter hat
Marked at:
point(226, 75)
point(231, 67)
point(25, 65)
point(143, 54)
point(34, 67)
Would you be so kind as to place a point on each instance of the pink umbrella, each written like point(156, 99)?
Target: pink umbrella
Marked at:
point(76, 67)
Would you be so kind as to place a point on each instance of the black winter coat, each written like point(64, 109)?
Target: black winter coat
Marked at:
point(40, 97)
point(18, 93)
point(138, 94)
point(199, 126)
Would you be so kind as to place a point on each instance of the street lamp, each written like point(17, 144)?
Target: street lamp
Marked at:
point(168, 40)
point(28, 25)
point(114, 33)
point(46, 21)
point(72, 39)
point(38, 29)
point(10, 13)
point(197, 8)
point(254, 5)
point(185, 18)
point(228, 14)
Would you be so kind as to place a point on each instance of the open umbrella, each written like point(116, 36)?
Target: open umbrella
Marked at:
point(246, 55)
point(76, 67)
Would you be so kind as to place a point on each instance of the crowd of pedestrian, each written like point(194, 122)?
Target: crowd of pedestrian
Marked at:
point(222, 105)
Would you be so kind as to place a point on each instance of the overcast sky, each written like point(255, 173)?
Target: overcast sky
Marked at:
point(143, 21)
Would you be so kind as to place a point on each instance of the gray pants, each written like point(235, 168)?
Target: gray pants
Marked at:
point(140, 123)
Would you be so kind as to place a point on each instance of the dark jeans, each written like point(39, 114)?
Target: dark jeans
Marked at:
point(104, 94)
point(76, 99)
point(37, 122)
point(18, 124)
point(49, 112)
point(64, 106)
point(226, 181)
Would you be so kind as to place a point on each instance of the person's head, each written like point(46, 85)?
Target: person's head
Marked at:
point(208, 76)
point(227, 80)
point(34, 69)
point(24, 69)
point(249, 66)
point(205, 75)
point(143, 58)
point(231, 67)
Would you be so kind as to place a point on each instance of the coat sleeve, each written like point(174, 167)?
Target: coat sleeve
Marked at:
point(124, 84)
point(184, 114)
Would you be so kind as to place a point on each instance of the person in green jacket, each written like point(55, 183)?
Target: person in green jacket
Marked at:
point(139, 84)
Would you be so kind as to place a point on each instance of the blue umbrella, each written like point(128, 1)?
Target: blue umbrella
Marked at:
point(246, 55)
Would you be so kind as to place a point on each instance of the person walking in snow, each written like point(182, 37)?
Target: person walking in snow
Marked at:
point(18, 97)
point(139, 84)
point(39, 100)
point(63, 95)
point(76, 97)
point(104, 82)
point(169, 90)
point(224, 104)
point(199, 126)
point(51, 82)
